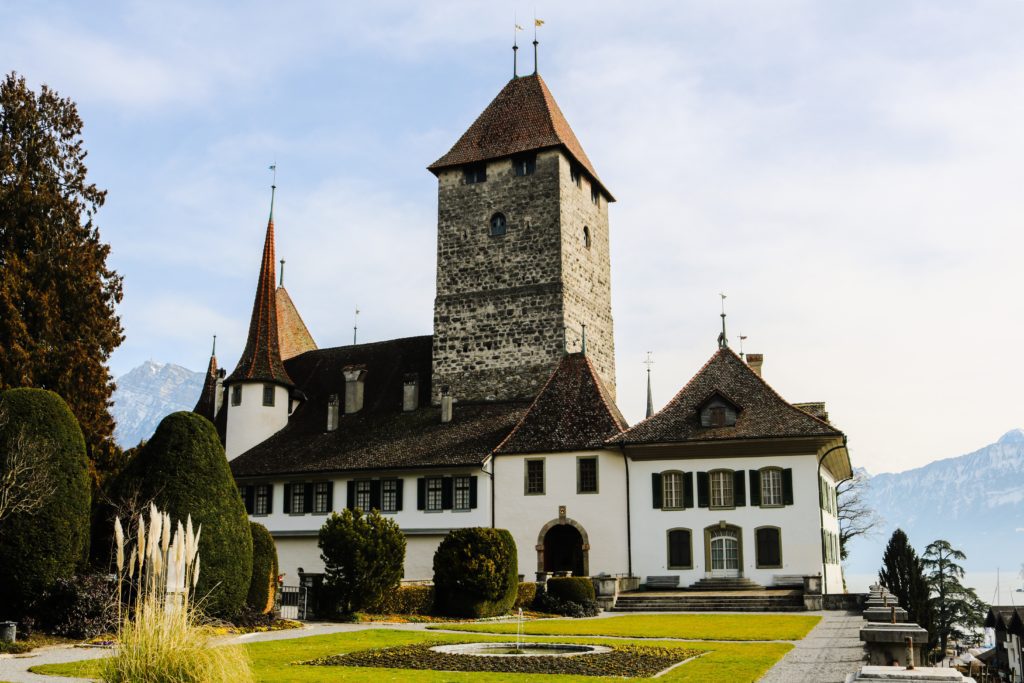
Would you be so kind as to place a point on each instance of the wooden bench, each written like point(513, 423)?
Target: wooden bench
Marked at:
point(788, 581)
point(661, 582)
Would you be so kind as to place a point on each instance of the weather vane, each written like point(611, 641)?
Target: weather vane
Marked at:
point(355, 326)
point(742, 337)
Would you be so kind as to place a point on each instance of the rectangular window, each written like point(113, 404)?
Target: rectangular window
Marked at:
point(768, 545)
point(461, 501)
point(434, 487)
point(261, 502)
point(586, 475)
point(389, 495)
point(476, 173)
point(673, 487)
point(534, 477)
point(321, 497)
point(298, 499)
point(771, 487)
point(524, 164)
point(236, 395)
point(268, 394)
point(680, 551)
point(721, 489)
point(363, 491)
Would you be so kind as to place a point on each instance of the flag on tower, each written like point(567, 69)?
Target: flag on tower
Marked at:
point(538, 22)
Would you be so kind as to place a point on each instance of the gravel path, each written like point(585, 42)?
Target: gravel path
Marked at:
point(830, 652)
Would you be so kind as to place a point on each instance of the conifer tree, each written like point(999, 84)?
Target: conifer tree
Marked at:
point(58, 324)
point(903, 574)
point(958, 610)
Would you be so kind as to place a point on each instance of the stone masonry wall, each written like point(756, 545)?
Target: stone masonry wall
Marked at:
point(500, 310)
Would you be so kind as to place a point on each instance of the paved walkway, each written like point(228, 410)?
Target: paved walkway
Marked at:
point(830, 652)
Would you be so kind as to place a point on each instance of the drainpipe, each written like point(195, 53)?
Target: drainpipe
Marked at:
point(491, 475)
point(821, 518)
point(629, 525)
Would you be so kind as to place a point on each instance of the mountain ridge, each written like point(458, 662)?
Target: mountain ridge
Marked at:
point(147, 394)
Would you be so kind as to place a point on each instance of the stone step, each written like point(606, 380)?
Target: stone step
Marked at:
point(730, 608)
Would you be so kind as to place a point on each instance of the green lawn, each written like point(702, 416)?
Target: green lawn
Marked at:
point(690, 626)
point(273, 661)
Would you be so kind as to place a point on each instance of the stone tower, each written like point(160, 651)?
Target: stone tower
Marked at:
point(522, 251)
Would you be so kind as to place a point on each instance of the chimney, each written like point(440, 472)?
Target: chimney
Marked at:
point(755, 360)
point(332, 412)
point(218, 395)
point(411, 392)
point(355, 378)
point(446, 404)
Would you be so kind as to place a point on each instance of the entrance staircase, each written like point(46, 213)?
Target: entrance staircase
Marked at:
point(713, 595)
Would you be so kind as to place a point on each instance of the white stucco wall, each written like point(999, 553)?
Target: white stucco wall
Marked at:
point(251, 422)
point(601, 514)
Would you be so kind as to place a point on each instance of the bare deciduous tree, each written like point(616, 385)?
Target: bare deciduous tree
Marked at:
point(856, 516)
point(26, 477)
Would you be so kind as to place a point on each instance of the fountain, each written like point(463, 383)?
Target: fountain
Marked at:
point(520, 649)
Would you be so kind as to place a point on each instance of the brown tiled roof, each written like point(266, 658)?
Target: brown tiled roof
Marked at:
point(524, 117)
point(381, 435)
point(292, 334)
point(261, 359)
point(207, 403)
point(572, 412)
point(763, 414)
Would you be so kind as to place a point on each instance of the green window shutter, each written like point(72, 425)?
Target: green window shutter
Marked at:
point(307, 498)
point(375, 494)
point(656, 490)
point(769, 548)
point(287, 499)
point(270, 499)
point(755, 488)
point(787, 486)
point(447, 493)
point(250, 496)
point(351, 502)
point(472, 492)
point(687, 490)
point(739, 489)
point(703, 490)
point(330, 496)
point(421, 493)
point(399, 486)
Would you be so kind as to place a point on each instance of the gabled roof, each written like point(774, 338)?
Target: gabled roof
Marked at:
point(572, 412)
point(1005, 618)
point(261, 359)
point(207, 403)
point(381, 436)
point(524, 117)
point(764, 414)
point(292, 334)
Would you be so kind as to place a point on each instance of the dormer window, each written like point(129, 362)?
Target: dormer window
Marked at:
point(717, 416)
point(498, 225)
point(718, 411)
point(475, 173)
point(524, 164)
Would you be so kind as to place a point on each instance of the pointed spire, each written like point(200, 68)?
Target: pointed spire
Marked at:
point(261, 359)
point(723, 341)
point(650, 399)
point(207, 403)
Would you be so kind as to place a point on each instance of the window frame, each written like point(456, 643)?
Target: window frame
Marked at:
point(364, 488)
point(730, 479)
point(257, 498)
point(595, 194)
point(429, 489)
point(579, 474)
point(236, 395)
point(757, 551)
point(497, 217)
point(587, 240)
point(464, 490)
point(524, 165)
point(298, 494)
point(679, 490)
point(526, 477)
point(269, 392)
point(473, 174)
point(384, 493)
point(668, 548)
point(321, 488)
point(776, 471)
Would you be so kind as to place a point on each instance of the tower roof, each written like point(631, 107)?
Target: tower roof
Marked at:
point(261, 359)
point(572, 412)
point(292, 334)
point(207, 403)
point(524, 117)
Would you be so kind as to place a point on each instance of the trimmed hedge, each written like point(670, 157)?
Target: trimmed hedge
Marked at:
point(183, 470)
point(572, 588)
point(476, 572)
point(80, 607)
point(406, 600)
point(38, 549)
point(526, 595)
point(263, 585)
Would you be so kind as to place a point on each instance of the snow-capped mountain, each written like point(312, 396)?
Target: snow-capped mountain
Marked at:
point(974, 501)
point(147, 394)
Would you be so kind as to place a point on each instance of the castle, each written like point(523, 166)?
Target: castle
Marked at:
point(506, 416)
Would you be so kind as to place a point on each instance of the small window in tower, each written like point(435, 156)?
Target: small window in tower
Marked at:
point(476, 173)
point(236, 395)
point(498, 224)
point(268, 394)
point(575, 175)
point(586, 237)
point(524, 164)
point(595, 194)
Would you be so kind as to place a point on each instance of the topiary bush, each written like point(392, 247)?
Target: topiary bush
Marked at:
point(263, 586)
point(476, 572)
point(405, 600)
point(183, 470)
point(546, 602)
point(572, 588)
point(526, 595)
point(49, 543)
point(363, 555)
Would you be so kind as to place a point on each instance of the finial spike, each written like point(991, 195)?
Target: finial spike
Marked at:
point(650, 399)
point(742, 338)
point(723, 341)
point(273, 189)
point(281, 284)
point(213, 352)
point(355, 327)
point(516, 28)
point(536, 23)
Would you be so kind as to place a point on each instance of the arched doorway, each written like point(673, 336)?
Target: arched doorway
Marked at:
point(723, 548)
point(563, 550)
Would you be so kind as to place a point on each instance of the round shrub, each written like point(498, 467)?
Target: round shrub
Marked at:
point(263, 586)
point(572, 588)
point(526, 595)
point(363, 555)
point(40, 547)
point(183, 470)
point(476, 572)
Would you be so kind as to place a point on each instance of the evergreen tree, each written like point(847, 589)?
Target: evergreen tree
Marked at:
point(58, 324)
point(363, 556)
point(958, 610)
point(903, 574)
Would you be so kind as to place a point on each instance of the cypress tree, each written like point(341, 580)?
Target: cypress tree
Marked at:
point(902, 573)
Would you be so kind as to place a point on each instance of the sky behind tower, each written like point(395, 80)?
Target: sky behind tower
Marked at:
point(848, 173)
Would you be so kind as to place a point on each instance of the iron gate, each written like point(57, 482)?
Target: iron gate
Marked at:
point(293, 602)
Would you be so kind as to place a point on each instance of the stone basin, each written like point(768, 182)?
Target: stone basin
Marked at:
point(523, 650)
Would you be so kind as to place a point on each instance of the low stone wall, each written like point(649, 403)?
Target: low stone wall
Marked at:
point(844, 601)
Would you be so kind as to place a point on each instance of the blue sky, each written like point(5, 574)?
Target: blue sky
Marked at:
point(849, 173)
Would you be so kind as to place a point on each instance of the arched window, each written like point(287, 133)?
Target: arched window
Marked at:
point(498, 224)
point(586, 237)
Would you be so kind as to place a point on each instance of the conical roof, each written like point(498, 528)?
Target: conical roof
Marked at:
point(292, 333)
point(261, 359)
point(573, 411)
point(524, 117)
point(207, 403)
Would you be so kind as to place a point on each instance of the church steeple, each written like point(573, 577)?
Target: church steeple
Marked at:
point(207, 403)
point(261, 359)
